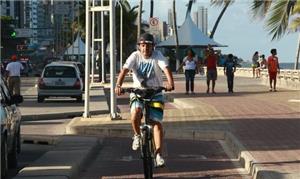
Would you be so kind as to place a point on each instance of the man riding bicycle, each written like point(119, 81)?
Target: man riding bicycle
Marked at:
point(147, 65)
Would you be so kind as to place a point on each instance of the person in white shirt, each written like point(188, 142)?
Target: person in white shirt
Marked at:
point(13, 70)
point(147, 65)
point(190, 63)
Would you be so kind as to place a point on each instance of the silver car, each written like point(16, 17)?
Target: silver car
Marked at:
point(10, 129)
point(60, 79)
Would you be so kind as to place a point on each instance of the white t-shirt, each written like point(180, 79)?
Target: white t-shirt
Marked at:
point(190, 65)
point(14, 68)
point(148, 71)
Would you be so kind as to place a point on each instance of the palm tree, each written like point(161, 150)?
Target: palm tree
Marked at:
point(189, 9)
point(225, 4)
point(151, 8)
point(139, 19)
point(278, 15)
point(176, 34)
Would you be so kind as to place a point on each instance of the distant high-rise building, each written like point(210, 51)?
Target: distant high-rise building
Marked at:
point(170, 17)
point(200, 19)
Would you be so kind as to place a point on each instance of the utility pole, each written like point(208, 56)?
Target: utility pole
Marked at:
point(139, 19)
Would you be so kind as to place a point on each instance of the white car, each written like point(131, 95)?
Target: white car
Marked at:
point(60, 80)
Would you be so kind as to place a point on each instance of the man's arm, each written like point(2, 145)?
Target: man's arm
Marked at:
point(168, 73)
point(120, 80)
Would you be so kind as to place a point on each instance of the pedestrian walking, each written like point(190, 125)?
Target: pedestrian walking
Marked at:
point(254, 63)
point(13, 70)
point(211, 65)
point(190, 63)
point(229, 70)
point(273, 69)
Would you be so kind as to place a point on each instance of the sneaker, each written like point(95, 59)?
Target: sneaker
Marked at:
point(160, 162)
point(136, 142)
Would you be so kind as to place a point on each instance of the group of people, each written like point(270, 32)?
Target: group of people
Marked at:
point(192, 65)
point(259, 63)
point(271, 64)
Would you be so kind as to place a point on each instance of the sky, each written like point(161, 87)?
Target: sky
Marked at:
point(238, 30)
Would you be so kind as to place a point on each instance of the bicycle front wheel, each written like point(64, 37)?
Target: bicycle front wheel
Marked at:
point(147, 155)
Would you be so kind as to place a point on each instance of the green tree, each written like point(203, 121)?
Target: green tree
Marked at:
point(277, 14)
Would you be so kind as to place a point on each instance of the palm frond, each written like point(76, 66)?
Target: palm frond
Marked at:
point(259, 8)
point(220, 2)
point(296, 9)
point(277, 21)
point(295, 25)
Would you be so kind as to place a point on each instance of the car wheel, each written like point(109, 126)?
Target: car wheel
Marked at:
point(4, 159)
point(79, 99)
point(13, 155)
point(40, 99)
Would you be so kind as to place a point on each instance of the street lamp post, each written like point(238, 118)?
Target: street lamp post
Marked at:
point(121, 34)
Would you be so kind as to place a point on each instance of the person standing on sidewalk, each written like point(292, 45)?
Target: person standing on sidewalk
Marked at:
point(190, 66)
point(147, 65)
point(211, 64)
point(254, 63)
point(229, 70)
point(13, 70)
point(273, 69)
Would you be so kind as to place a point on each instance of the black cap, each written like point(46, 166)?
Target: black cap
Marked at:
point(146, 38)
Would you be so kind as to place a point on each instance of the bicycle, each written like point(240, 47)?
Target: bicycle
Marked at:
point(147, 144)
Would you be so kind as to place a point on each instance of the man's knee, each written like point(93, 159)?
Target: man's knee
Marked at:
point(137, 114)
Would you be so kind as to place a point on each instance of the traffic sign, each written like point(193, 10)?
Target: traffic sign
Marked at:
point(153, 21)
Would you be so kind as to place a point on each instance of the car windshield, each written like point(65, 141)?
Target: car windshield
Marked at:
point(59, 72)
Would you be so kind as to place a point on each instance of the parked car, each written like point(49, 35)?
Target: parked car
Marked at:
point(10, 129)
point(60, 79)
point(80, 67)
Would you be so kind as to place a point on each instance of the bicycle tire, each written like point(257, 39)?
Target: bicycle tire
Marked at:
point(147, 156)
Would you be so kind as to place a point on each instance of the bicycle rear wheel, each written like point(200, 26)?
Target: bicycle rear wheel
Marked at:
point(147, 155)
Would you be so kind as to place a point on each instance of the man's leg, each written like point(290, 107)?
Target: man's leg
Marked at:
point(274, 86)
point(10, 85)
point(213, 85)
point(17, 85)
point(136, 117)
point(158, 136)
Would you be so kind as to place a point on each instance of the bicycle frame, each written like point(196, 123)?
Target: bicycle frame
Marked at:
point(147, 143)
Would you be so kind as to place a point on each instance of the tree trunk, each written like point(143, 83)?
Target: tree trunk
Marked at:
point(151, 8)
point(218, 21)
point(139, 19)
point(176, 34)
point(188, 12)
point(296, 67)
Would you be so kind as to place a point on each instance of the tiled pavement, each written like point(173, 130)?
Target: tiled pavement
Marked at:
point(266, 124)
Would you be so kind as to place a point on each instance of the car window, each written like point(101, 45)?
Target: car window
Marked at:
point(60, 72)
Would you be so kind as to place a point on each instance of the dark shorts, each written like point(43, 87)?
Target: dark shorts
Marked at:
point(211, 74)
point(272, 75)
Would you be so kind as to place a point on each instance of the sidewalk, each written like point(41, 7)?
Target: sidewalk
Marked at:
point(261, 127)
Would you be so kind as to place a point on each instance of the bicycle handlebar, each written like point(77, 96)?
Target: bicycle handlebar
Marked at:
point(143, 92)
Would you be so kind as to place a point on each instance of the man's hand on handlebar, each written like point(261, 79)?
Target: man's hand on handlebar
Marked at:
point(118, 90)
point(169, 87)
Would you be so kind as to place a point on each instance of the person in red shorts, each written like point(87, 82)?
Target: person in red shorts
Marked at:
point(273, 69)
point(211, 64)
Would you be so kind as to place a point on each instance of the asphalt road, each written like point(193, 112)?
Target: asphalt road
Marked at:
point(184, 159)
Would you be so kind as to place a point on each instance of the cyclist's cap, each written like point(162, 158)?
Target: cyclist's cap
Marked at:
point(146, 38)
point(13, 57)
